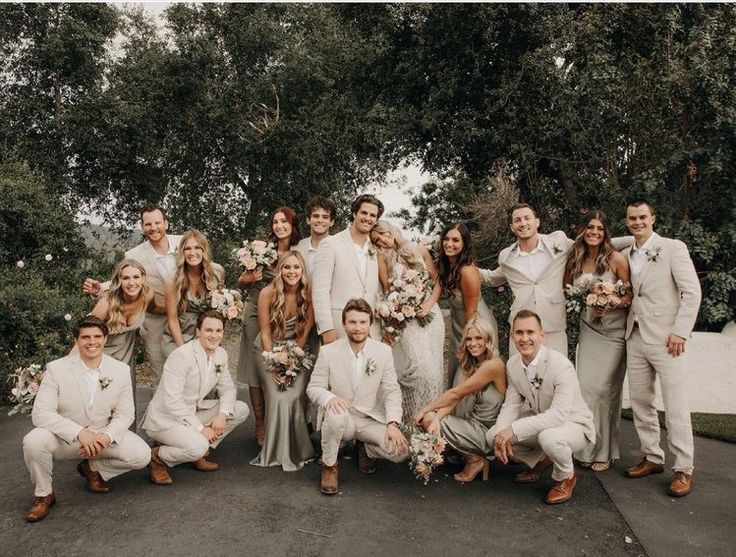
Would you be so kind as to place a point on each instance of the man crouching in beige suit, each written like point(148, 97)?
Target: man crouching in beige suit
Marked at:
point(184, 423)
point(355, 386)
point(83, 408)
point(544, 418)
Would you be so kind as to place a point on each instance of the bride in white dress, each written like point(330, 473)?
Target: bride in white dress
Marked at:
point(418, 354)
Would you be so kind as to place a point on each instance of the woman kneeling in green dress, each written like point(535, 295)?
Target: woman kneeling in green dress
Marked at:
point(464, 413)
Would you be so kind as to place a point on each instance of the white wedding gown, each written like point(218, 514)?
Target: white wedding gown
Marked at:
point(418, 359)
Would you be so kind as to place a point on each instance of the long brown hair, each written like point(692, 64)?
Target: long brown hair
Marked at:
point(579, 250)
point(449, 273)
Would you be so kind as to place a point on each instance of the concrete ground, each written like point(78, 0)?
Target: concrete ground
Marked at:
point(243, 509)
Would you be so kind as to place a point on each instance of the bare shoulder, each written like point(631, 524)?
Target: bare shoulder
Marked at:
point(494, 368)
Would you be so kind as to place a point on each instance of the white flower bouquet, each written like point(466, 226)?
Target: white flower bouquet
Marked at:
point(399, 306)
point(25, 383)
point(425, 450)
point(229, 303)
point(255, 255)
point(285, 362)
point(595, 293)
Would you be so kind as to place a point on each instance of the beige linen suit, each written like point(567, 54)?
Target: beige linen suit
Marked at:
point(154, 324)
point(336, 278)
point(62, 408)
point(666, 300)
point(544, 295)
point(179, 408)
point(552, 419)
point(374, 399)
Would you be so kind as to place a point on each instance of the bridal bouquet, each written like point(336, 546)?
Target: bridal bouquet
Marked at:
point(25, 382)
point(425, 450)
point(399, 306)
point(285, 362)
point(255, 255)
point(227, 302)
point(596, 293)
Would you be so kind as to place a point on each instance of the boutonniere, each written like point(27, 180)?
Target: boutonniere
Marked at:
point(370, 366)
point(557, 249)
point(536, 382)
point(653, 254)
point(219, 369)
point(105, 382)
point(371, 252)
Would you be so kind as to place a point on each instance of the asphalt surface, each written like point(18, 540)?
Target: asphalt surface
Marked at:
point(247, 510)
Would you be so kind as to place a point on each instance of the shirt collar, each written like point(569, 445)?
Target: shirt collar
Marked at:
point(645, 246)
point(538, 249)
point(534, 363)
point(171, 250)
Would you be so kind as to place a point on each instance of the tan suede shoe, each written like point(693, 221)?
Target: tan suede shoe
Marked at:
point(204, 465)
point(159, 470)
point(533, 474)
point(95, 483)
point(328, 482)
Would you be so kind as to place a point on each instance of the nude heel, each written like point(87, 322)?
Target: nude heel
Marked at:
point(474, 465)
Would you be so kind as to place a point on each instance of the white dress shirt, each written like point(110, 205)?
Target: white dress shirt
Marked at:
point(531, 369)
point(93, 380)
point(167, 262)
point(362, 254)
point(531, 263)
point(360, 362)
point(638, 255)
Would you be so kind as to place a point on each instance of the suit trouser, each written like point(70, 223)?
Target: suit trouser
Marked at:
point(182, 443)
point(337, 428)
point(556, 340)
point(645, 362)
point(152, 333)
point(558, 443)
point(41, 448)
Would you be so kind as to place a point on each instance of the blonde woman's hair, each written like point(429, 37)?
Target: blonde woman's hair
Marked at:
point(277, 303)
point(211, 277)
point(467, 363)
point(401, 250)
point(115, 317)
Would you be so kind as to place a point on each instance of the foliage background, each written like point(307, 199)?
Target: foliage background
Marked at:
point(229, 110)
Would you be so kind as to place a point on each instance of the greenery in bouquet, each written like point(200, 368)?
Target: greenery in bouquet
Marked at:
point(25, 382)
point(285, 362)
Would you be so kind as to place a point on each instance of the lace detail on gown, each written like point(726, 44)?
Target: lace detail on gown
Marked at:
point(418, 359)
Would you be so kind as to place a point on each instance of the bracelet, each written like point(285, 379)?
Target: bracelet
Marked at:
point(395, 423)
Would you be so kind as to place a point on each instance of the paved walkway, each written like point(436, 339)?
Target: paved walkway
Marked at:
point(256, 511)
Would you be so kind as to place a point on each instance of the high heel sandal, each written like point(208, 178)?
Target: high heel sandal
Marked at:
point(474, 465)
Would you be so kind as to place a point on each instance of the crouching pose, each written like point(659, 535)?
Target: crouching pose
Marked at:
point(83, 409)
point(181, 419)
point(355, 386)
point(544, 418)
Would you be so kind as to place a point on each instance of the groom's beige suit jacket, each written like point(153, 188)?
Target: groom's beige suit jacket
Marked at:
point(666, 292)
point(544, 295)
point(62, 402)
point(186, 381)
point(336, 278)
point(555, 402)
point(146, 256)
point(376, 395)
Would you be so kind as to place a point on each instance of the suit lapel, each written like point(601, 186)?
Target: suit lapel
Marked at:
point(80, 376)
point(523, 386)
point(204, 373)
point(350, 247)
point(541, 373)
point(513, 270)
point(647, 263)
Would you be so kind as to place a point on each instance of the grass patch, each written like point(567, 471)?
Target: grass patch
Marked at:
point(713, 426)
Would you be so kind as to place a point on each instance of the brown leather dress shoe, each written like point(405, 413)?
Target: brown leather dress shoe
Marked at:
point(95, 483)
point(365, 463)
point(328, 481)
point(204, 465)
point(159, 470)
point(643, 469)
point(681, 484)
point(561, 491)
point(40, 507)
point(532, 475)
